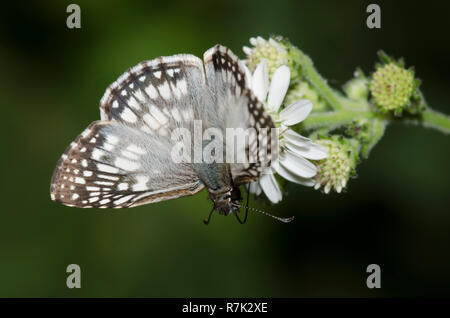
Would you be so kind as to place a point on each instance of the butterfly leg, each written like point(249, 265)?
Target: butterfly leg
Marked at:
point(206, 221)
point(246, 208)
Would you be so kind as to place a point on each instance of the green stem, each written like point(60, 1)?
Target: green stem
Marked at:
point(376, 131)
point(317, 81)
point(436, 120)
point(334, 119)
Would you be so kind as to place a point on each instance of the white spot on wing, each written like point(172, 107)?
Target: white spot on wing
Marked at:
point(151, 122)
point(87, 173)
point(140, 96)
point(112, 178)
point(106, 168)
point(141, 184)
point(93, 199)
point(133, 103)
point(124, 199)
point(151, 91)
point(80, 180)
point(182, 86)
point(176, 114)
point(104, 201)
point(97, 154)
point(164, 90)
point(136, 149)
point(128, 115)
point(104, 183)
point(130, 155)
point(158, 115)
point(126, 164)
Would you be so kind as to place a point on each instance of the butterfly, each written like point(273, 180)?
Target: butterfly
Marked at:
point(125, 159)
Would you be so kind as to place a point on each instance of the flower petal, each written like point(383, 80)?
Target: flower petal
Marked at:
point(311, 151)
point(248, 74)
point(304, 146)
point(260, 81)
point(270, 187)
point(288, 175)
point(295, 138)
point(278, 87)
point(260, 40)
point(296, 112)
point(297, 164)
point(247, 50)
point(255, 188)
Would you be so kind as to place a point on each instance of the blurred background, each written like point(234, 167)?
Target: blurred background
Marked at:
point(395, 213)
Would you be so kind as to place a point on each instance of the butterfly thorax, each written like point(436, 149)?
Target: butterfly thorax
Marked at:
point(226, 200)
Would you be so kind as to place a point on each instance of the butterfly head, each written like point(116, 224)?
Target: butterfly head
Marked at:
point(226, 201)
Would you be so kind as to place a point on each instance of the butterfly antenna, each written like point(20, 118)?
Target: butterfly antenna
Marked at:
point(206, 221)
point(284, 220)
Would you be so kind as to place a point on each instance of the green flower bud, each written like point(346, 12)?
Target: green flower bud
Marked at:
point(392, 87)
point(357, 89)
point(271, 50)
point(335, 171)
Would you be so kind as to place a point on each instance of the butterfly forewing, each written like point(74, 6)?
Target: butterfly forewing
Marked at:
point(157, 96)
point(238, 107)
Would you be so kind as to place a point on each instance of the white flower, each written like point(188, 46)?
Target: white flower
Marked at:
point(295, 150)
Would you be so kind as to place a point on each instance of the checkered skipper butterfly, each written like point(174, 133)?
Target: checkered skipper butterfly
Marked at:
point(124, 159)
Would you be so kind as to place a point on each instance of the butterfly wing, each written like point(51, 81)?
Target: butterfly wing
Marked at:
point(112, 165)
point(237, 107)
point(125, 160)
point(159, 95)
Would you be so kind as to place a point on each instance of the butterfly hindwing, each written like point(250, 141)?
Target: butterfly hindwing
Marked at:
point(113, 165)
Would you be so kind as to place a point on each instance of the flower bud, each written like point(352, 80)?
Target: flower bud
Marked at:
point(335, 171)
point(272, 50)
point(392, 87)
point(357, 89)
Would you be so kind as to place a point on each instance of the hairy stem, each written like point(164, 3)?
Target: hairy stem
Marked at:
point(334, 119)
point(436, 120)
point(317, 81)
point(376, 132)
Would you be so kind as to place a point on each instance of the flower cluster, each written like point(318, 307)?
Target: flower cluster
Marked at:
point(335, 171)
point(392, 86)
point(337, 129)
point(295, 150)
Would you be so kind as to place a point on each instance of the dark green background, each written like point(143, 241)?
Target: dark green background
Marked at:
point(395, 214)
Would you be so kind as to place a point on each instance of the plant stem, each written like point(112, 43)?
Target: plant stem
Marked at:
point(376, 132)
point(317, 81)
point(436, 120)
point(334, 119)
